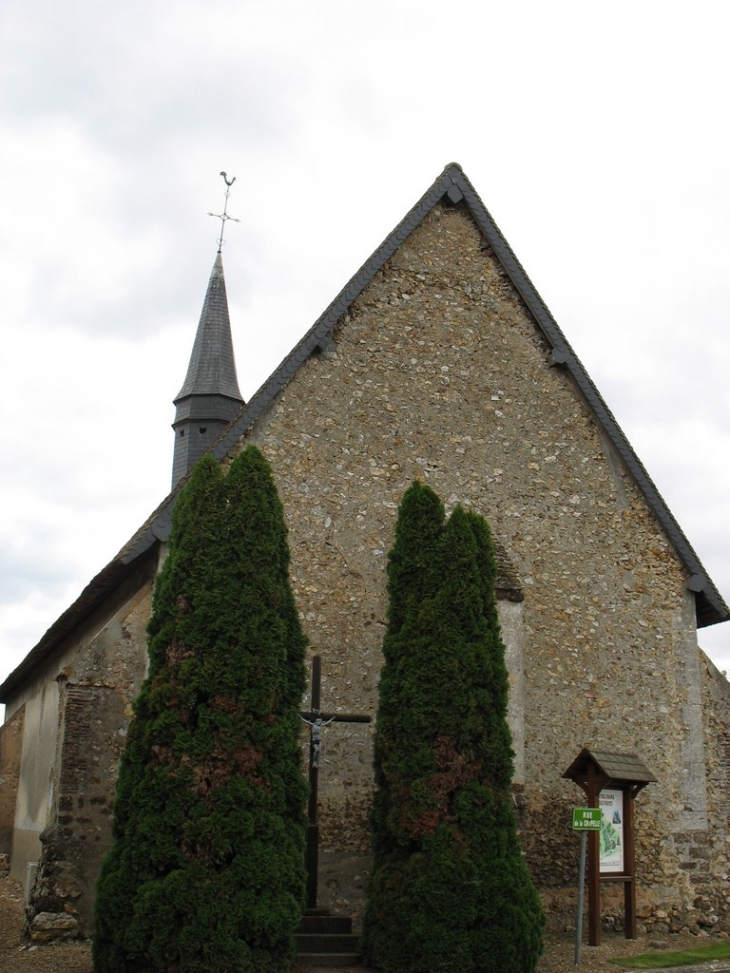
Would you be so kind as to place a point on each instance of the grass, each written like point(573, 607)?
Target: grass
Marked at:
point(675, 957)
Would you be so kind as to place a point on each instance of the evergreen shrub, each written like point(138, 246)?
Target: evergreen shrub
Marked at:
point(206, 874)
point(450, 891)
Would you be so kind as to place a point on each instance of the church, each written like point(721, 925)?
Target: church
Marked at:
point(438, 362)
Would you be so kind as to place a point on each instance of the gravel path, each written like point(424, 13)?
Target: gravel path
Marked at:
point(17, 957)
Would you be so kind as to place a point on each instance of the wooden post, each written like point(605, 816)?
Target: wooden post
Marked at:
point(594, 866)
point(313, 823)
point(317, 720)
point(629, 865)
point(592, 771)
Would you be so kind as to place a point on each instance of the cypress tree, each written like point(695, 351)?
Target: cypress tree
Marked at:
point(411, 580)
point(450, 890)
point(207, 871)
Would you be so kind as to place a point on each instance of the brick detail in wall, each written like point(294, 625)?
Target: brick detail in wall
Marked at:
point(74, 848)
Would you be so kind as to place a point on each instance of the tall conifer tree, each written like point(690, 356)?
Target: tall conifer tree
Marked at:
point(450, 890)
point(207, 871)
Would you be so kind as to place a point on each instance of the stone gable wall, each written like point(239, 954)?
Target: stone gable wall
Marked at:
point(438, 373)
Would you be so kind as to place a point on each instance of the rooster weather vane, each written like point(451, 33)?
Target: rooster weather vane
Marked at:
point(224, 215)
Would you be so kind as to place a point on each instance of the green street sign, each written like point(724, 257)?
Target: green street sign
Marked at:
point(586, 819)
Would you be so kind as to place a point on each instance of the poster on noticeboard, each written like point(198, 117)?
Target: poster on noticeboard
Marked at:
point(611, 838)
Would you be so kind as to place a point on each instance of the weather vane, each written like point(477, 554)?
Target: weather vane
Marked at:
point(224, 215)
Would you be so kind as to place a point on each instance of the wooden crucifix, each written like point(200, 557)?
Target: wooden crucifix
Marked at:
point(317, 720)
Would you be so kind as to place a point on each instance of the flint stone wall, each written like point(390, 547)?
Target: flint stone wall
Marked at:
point(437, 373)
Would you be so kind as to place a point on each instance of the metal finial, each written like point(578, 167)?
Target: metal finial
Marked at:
point(224, 215)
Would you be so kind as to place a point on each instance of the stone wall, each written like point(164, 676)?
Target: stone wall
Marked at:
point(34, 801)
point(11, 745)
point(438, 373)
point(711, 860)
point(97, 692)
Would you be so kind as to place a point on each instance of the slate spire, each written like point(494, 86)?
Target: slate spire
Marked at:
point(209, 397)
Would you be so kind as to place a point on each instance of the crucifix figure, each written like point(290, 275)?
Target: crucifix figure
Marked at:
point(315, 738)
point(317, 721)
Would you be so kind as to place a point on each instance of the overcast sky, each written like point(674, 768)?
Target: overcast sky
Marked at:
point(596, 135)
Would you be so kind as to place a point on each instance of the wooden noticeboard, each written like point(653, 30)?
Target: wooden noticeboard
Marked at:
point(610, 782)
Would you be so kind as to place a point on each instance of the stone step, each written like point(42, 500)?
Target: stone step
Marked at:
point(342, 960)
point(327, 942)
point(324, 923)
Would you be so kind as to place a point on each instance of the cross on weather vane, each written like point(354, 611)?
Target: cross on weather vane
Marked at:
point(224, 215)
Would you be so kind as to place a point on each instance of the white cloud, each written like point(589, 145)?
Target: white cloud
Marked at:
point(593, 134)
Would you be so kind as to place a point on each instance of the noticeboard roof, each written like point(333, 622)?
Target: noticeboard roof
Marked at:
point(618, 767)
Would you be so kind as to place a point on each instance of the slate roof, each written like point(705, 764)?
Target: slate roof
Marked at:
point(615, 766)
point(212, 368)
point(453, 187)
point(209, 398)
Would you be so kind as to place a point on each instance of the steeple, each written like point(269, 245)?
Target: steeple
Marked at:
point(209, 397)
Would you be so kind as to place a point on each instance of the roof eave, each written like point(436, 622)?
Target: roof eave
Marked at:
point(90, 600)
point(453, 184)
point(711, 609)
